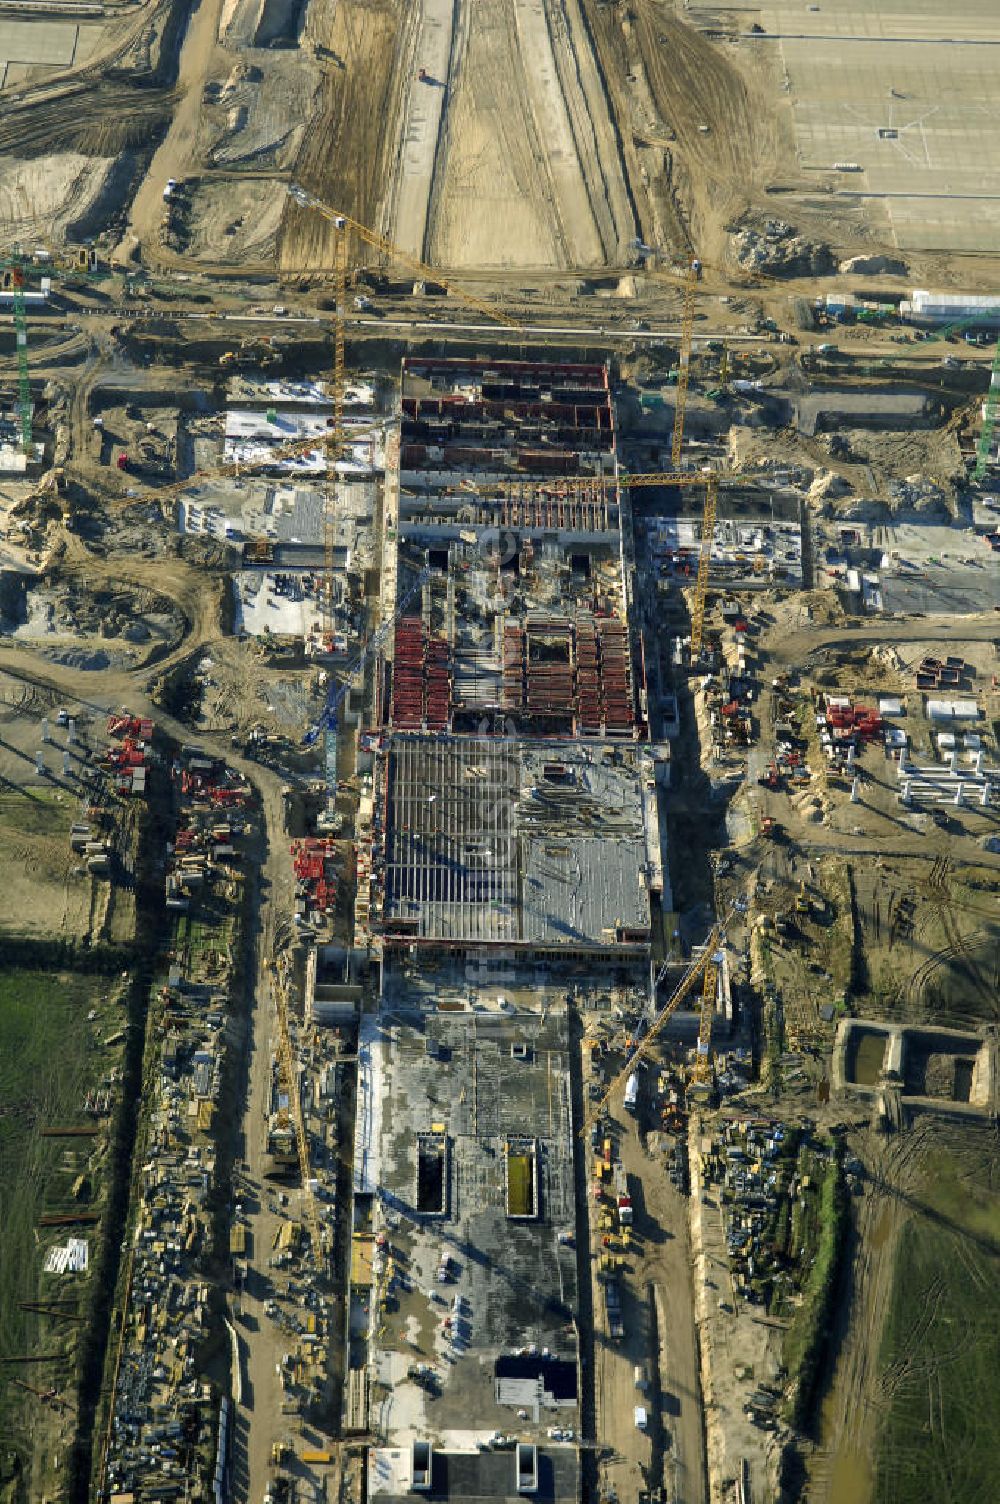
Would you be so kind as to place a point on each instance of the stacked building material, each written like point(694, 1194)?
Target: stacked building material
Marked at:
point(408, 677)
point(847, 721)
point(128, 761)
point(315, 880)
point(588, 698)
point(513, 668)
point(938, 673)
point(616, 693)
point(437, 684)
point(125, 725)
point(203, 841)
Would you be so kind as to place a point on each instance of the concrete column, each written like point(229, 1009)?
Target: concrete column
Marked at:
point(958, 796)
point(907, 794)
point(855, 790)
point(954, 760)
point(894, 1054)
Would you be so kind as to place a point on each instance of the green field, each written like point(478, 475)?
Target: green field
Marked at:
point(50, 1055)
point(940, 1356)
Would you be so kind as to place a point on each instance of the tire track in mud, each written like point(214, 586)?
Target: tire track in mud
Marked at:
point(344, 157)
point(695, 85)
point(854, 1392)
point(490, 147)
point(442, 154)
point(588, 111)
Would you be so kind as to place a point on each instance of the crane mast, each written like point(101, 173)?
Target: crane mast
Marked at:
point(290, 1081)
point(685, 986)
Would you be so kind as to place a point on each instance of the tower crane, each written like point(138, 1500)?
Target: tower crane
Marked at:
point(14, 282)
point(286, 1068)
point(985, 445)
point(345, 225)
point(344, 222)
point(711, 479)
point(708, 996)
point(630, 482)
point(684, 361)
point(704, 562)
point(701, 963)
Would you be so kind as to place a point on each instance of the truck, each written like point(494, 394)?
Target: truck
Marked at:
point(632, 1092)
point(613, 1309)
point(623, 1200)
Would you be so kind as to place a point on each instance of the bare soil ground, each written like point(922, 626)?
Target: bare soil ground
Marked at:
point(345, 155)
point(44, 891)
point(507, 153)
point(720, 171)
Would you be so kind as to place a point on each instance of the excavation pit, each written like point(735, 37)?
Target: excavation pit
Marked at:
point(866, 1056)
point(522, 1181)
point(432, 1175)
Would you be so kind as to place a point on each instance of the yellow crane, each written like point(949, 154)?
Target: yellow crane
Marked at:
point(684, 361)
point(346, 225)
point(344, 222)
point(689, 980)
point(704, 562)
point(290, 1081)
point(692, 278)
point(702, 1061)
point(711, 480)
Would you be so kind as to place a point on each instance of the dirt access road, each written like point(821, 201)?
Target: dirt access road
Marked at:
point(259, 1419)
point(659, 1334)
point(176, 157)
point(841, 1473)
point(507, 154)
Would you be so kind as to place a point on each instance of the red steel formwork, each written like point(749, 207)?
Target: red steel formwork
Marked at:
point(513, 667)
point(549, 669)
point(437, 668)
point(407, 675)
point(421, 686)
point(588, 698)
point(616, 692)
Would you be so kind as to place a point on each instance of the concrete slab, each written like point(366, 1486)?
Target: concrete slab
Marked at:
point(507, 1285)
point(493, 840)
point(905, 89)
point(28, 45)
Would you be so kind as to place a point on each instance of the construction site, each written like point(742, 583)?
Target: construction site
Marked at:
point(499, 768)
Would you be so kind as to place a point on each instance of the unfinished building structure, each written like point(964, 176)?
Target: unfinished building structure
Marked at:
point(513, 843)
point(507, 489)
point(512, 805)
